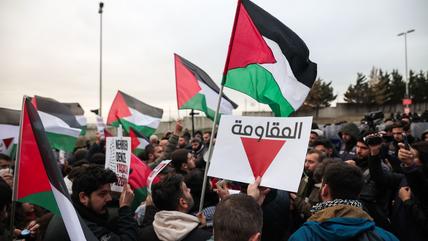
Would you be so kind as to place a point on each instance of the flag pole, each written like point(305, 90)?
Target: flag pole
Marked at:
point(210, 148)
point(100, 11)
point(15, 173)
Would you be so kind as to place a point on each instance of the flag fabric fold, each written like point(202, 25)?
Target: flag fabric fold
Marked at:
point(61, 126)
point(78, 112)
point(39, 180)
point(138, 141)
point(130, 112)
point(268, 61)
point(196, 90)
point(138, 179)
point(9, 131)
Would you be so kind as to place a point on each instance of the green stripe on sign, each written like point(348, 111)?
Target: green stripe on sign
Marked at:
point(61, 142)
point(145, 130)
point(257, 82)
point(42, 199)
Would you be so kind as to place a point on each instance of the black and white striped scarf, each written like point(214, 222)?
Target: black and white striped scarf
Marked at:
point(322, 205)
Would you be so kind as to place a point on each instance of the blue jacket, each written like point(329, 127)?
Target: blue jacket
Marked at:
point(338, 229)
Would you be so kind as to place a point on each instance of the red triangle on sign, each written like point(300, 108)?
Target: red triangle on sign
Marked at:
point(7, 142)
point(261, 153)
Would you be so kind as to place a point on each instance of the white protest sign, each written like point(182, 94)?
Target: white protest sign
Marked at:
point(118, 159)
point(101, 125)
point(273, 148)
point(155, 172)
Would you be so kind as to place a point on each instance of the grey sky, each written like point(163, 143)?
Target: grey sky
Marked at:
point(51, 47)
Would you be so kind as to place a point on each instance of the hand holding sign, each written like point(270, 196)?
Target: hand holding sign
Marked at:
point(126, 197)
point(257, 192)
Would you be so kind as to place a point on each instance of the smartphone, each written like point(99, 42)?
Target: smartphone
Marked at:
point(406, 142)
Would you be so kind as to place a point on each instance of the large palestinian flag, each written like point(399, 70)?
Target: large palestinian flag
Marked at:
point(9, 131)
point(39, 180)
point(196, 90)
point(138, 141)
point(268, 61)
point(62, 128)
point(130, 112)
point(138, 179)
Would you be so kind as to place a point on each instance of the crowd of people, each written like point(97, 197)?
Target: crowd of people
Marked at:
point(373, 185)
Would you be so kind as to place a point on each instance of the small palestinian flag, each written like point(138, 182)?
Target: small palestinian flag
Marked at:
point(130, 112)
point(196, 90)
point(62, 128)
point(138, 141)
point(138, 179)
point(268, 61)
point(9, 131)
point(79, 114)
point(39, 180)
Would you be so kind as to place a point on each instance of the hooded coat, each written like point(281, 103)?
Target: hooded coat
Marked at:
point(174, 226)
point(339, 223)
point(347, 150)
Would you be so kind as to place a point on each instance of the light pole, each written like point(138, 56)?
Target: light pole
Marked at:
point(405, 59)
point(100, 11)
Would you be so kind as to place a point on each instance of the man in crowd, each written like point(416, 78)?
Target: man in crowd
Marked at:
point(91, 195)
point(172, 223)
point(238, 218)
point(340, 216)
point(304, 198)
point(5, 171)
point(206, 138)
point(374, 195)
point(326, 147)
point(348, 134)
point(182, 161)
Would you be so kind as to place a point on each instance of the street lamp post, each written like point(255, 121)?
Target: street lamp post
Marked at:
point(406, 100)
point(100, 11)
point(405, 59)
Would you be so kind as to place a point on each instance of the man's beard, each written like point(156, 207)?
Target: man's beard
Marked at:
point(190, 202)
point(102, 212)
point(362, 161)
point(309, 173)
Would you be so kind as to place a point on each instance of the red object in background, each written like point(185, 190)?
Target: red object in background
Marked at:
point(407, 101)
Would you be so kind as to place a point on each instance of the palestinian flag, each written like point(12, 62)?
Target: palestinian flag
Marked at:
point(196, 90)
point(62, 128)
point(268, 61)
point(138, 141)
point(130, 112)
point(9, 131)
point(39, 180)
point(78, 112)
point(138, 180)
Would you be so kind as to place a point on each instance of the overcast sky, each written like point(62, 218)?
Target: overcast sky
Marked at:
point(51, 47)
